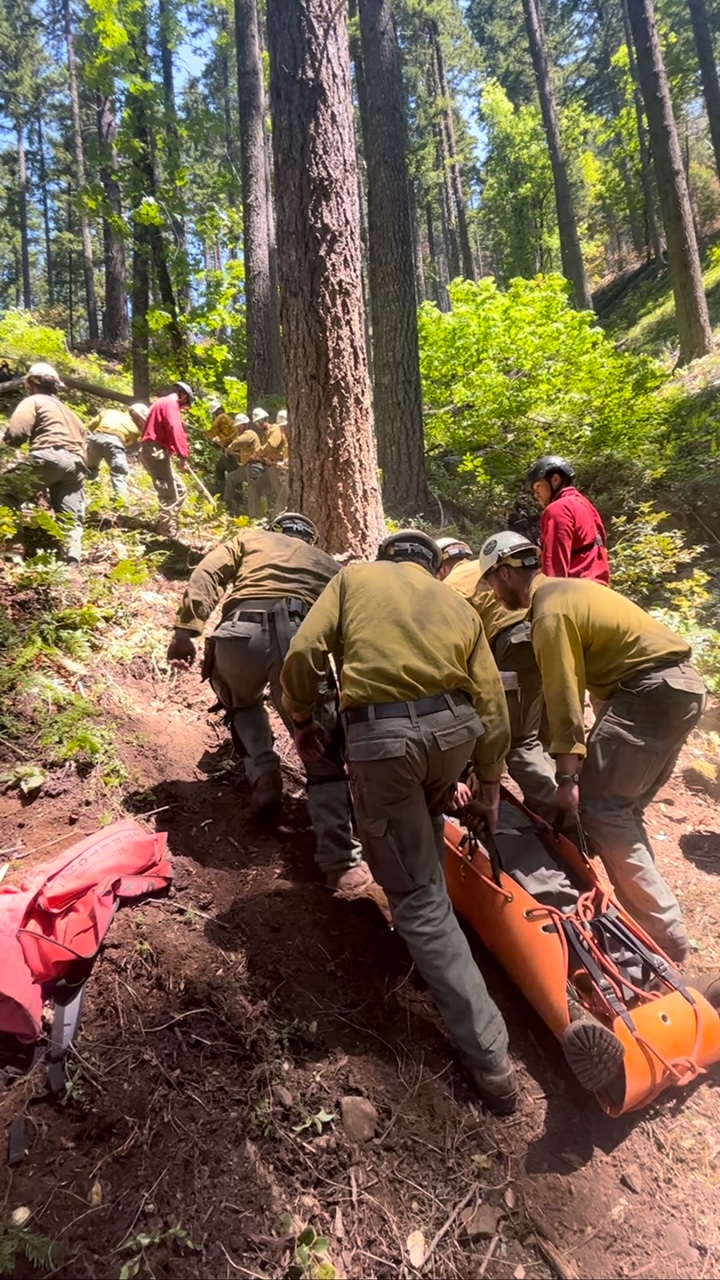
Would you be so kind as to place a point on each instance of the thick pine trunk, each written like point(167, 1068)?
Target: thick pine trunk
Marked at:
point(466, 255)
point(85, 236)
point(115, 315)
point(172, 148)
point(140, 307)
point(332, 452)
point(264, 373)
point(571, 253)
point(708, 71)
point(23, 211)
point(691, 308)
point(397, 395)
point(646, 174)
point(42, 173)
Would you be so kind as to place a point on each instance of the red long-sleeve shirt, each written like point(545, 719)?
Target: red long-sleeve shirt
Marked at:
point(165, 426)
point(573, 538)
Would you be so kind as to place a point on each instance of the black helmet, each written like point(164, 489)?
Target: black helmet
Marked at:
point(546, 466)
point(294, 525)
point(412, 545)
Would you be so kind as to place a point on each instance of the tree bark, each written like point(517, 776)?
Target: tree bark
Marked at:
point(172, 147)
point(629, 177)
point(466, 254)
point(264, 374)
point(420, 289)
point(333, 466)
point(42, 173)
point(646, 174)
point(85, 237)
point(397, 395)
point(691, 308)
point(140, 307)
point(23, 211)
point(115, 315)
point(572, 259)
point(708, 71)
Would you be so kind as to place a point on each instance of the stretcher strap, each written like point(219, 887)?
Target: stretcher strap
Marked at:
point(576, 943)
point(471, 843)
point(610, 923)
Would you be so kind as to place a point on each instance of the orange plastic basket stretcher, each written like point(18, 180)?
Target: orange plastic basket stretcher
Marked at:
point(671, 1034)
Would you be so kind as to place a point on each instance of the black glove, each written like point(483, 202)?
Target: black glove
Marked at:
point(311, 741)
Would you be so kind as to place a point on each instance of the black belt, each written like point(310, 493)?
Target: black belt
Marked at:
point(598, 541)
point(406, 710)
point(240, 608)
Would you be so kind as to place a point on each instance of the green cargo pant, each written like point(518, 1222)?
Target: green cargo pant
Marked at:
point(102, 447)
point(527, 761)
point(632, 750)
point(248, 650)
point(169, 488)
point(64, 474)
point(402, 774)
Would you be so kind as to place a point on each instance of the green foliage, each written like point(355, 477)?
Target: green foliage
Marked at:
point(646, 558)
point(508, 375)
point(145, 1242)
point(28, 778)
point(316, 1121)
point(309, 1258)
point(18, 1241)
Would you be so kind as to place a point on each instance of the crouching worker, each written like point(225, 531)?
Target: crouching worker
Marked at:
point(586, 636)
point(271, 580)
point(110, 435)
point(57, 455)
point(508, 634)
point(417, 676)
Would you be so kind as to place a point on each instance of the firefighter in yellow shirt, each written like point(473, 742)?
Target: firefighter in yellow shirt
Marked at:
point(275, 452)
point(587, 636)
point(110, 434)
point(508, 634)
point(421, 695)
point(222, 431)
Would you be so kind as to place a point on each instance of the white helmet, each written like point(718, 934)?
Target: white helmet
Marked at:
point(281, 420)
point(215, 408)
point(140, 411)
point(241, 420)
point(260, 415)
point(454, 550)
point(42, 372)
point(507, 548)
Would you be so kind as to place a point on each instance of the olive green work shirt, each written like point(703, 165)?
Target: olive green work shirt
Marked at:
point(46, 423)
point(400, 636)
point(587, 636)
point(254, 566)
point(494, 615)
point(274, 446)
point(246, 446)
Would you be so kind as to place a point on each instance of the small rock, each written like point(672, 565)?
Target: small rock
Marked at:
point(360, 1118)
point(283, 1096)
point(632, 1179)
point(481, 1222)
point(519, 1272)
point(20, 1216)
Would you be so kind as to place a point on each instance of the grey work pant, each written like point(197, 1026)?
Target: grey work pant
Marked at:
point(246, 657)
point(632, 750)
point(402, 774)
point(259, 486)
point(63, 474)
point(110, 449)
point(169, 487)
point(527, 761)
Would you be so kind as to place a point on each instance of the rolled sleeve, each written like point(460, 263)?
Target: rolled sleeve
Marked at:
point(561, 659)
point(491, 705)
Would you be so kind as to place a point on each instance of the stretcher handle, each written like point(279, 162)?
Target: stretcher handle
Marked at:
point(557, 830)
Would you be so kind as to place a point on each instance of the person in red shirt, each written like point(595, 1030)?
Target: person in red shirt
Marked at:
point(163, 437)
point(572, 534)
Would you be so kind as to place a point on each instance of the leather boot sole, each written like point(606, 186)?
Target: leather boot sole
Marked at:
point(593, 1052)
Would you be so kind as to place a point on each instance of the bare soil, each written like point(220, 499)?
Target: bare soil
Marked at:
point(221, 1022)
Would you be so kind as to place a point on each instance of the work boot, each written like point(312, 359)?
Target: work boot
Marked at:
point(593, 1052)
point(351, 879)
point(707, 985)
point(497, 1086)
point(267, 794)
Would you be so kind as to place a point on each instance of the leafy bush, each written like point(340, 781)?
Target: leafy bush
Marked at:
point(508, 375)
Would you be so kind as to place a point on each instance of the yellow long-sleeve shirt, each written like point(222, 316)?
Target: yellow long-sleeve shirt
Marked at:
point(587, 636)
point(254, 566)
point(274, 446)
point(493, 614)
point(400, 637)
point(113, 422)
point(246, 446)
point(222, 429)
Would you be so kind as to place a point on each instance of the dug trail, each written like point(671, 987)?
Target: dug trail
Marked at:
point(261, 1086)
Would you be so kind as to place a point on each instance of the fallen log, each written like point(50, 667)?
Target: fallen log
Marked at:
point(77, 384)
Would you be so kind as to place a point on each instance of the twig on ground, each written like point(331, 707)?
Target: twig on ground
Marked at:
point(439, 1235)
point(12, 747)
point(488, 1256)
point(554, 1259)
point(164, 1026)
point(256, 1275)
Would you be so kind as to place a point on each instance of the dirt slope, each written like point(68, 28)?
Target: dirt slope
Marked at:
point(222, 1023)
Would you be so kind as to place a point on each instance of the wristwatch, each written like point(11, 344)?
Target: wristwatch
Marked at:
point(561, 778)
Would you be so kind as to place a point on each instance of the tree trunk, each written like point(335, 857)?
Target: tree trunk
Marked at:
point(140, 307)
point(691, 308)
point(466, 255)
point(115, 316)
point(229, 124)
point(438, 258)
point(420, 290)
point(264, 374)
point(653, 225)
point(333, 476)
point(572, 259)
point(629, 178)
point(708, 71)
point(397, 396)
point(172, 147)
point(42, 173)
point(71, 278)
point(85, 237)
point(23, 211)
